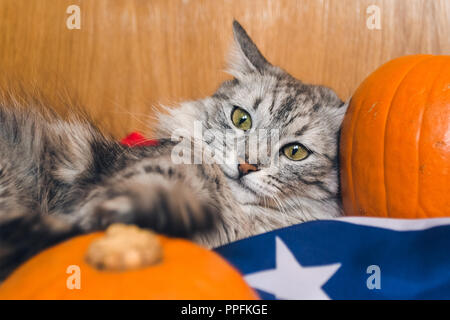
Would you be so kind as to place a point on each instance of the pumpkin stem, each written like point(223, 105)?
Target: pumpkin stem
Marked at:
point(124, 247)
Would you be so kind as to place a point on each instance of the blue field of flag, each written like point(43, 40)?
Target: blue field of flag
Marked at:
point(348, 258)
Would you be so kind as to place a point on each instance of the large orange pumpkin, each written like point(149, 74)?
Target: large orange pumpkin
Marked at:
point(395, 141)
point(182, 271)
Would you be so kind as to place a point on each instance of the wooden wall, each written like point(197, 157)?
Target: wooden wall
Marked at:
point(130, 55)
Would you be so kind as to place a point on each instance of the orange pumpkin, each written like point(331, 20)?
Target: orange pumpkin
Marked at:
point(180, 270)
point(395, 141)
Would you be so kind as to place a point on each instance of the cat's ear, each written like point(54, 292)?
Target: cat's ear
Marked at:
point(245, 56)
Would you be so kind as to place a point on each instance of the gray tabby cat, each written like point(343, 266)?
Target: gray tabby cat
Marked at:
point(59, 178)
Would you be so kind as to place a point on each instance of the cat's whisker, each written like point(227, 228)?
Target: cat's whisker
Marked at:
point(134, 115)
point(279, 204)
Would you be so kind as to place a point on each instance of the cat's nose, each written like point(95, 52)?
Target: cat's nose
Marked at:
point(245, 168)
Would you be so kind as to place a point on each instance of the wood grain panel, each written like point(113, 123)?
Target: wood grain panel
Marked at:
point(131, 55)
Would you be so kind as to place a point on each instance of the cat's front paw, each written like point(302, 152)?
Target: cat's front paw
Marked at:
point(175, 210)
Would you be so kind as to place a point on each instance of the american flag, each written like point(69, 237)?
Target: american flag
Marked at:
point(348, 258)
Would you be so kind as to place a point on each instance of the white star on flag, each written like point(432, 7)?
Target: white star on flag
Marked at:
point(290, 280)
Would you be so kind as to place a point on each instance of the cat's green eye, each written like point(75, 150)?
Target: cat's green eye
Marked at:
point(295, 152)
point(241, 119)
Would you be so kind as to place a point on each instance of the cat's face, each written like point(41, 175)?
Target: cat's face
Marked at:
point(287, 130)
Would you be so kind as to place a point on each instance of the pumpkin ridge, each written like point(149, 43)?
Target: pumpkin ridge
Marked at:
point(354, 122)
point(437, 96)
point(417, 213)
point(425, 58)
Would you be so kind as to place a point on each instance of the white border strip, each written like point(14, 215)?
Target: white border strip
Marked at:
point(396, 224)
